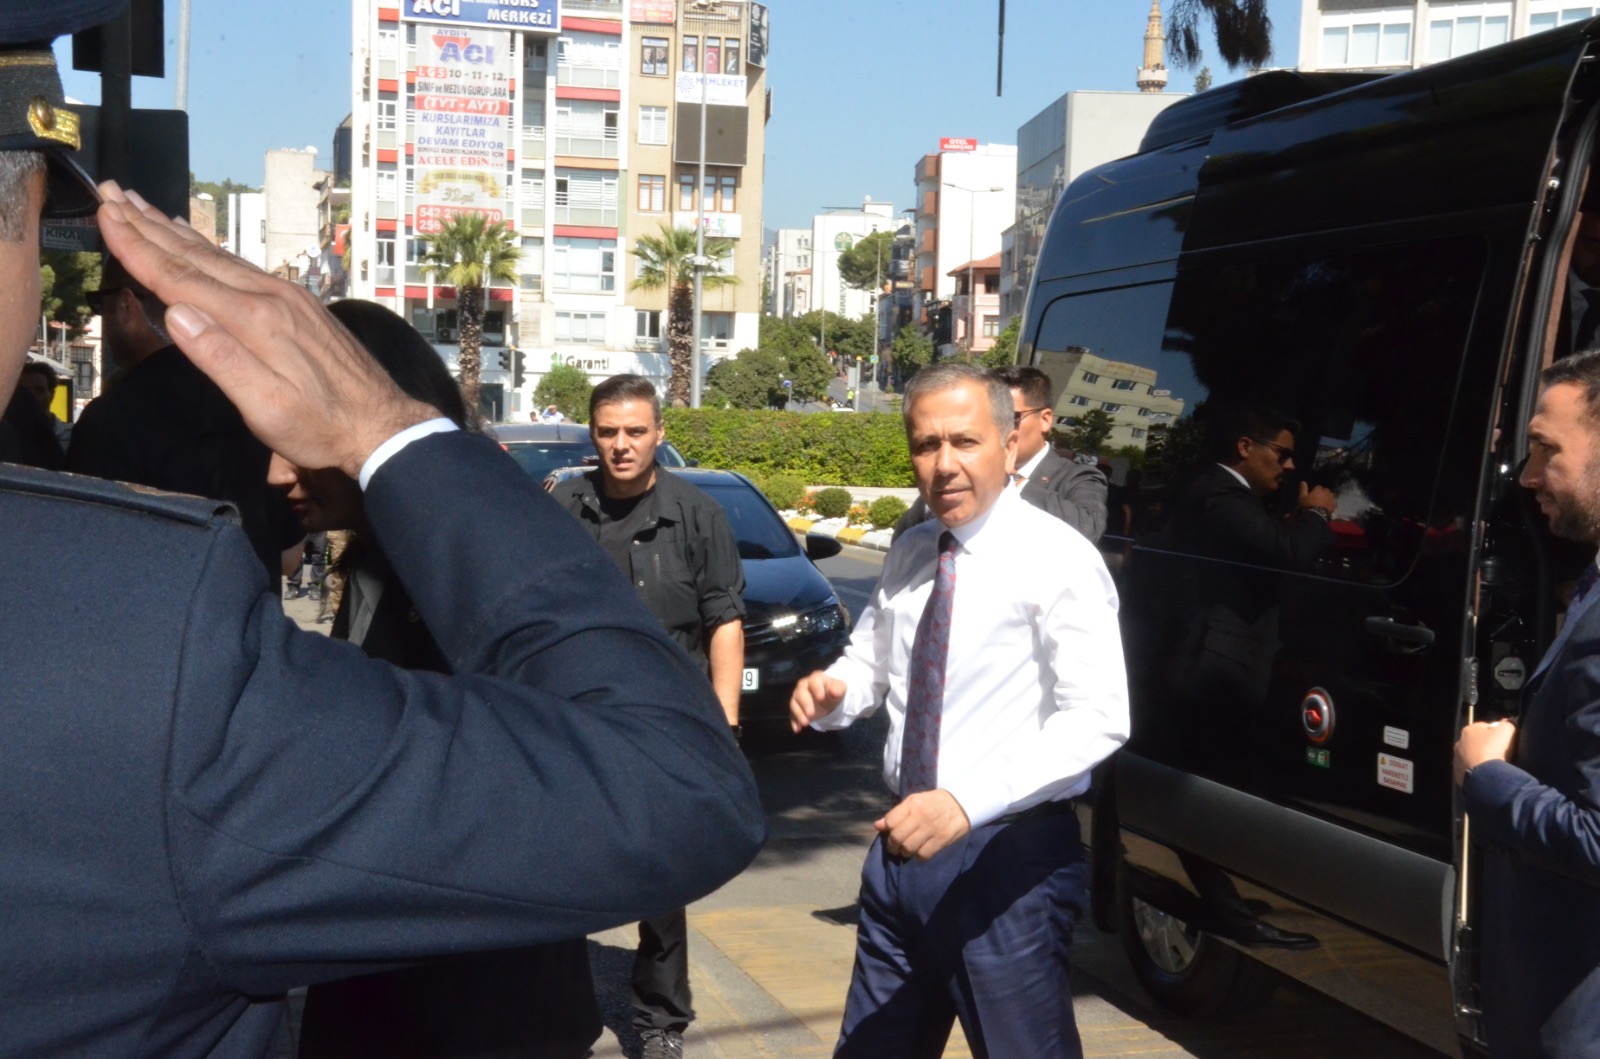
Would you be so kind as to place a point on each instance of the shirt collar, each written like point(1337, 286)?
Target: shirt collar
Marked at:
point(1027, 470)
point(968, 535)
point(1236, 474)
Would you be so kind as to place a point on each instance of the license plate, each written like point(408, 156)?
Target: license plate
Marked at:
point(752, 680)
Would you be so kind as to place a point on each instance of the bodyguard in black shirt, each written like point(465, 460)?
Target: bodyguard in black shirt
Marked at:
point(674, 543)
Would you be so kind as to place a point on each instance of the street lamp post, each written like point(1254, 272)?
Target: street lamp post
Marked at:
point(972, 224)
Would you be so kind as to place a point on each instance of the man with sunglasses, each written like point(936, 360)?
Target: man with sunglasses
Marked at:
point(1072, 492)
point(161, 423)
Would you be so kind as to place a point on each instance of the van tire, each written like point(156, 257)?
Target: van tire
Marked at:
point(1185, 970)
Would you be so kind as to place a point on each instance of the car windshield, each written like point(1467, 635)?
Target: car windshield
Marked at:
point(758, 529)
point(539, 458)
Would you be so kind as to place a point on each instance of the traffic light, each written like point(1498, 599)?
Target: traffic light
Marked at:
point(518, 375)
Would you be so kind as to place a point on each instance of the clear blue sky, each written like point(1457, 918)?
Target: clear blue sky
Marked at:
point(860, 88)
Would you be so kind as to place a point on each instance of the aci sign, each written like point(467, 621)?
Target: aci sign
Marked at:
point(494, 14)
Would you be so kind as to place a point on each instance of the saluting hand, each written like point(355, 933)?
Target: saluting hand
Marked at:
point(304, 385)
point(817, 695)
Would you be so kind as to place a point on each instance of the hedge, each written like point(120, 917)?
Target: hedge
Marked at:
point(823, 448)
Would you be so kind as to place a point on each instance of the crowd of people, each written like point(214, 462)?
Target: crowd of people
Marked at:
point(523, 726)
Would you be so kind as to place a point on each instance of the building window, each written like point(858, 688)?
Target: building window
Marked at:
point(387, 184)
point(1145, 412)
point(652, 194)
point(1122, 384)
point(1138, 432)
point(589, 60)
point(653, 61)
point(384, 254)
point(1548, 14)
point(691, 54)
point(1090, 377)
point(584, 265)
point(581, 328)
point(1107, 406)
point(416, 250)
point(716, 329)
point(647, 325)
point(730, 56)
point(388, 44)
point(1367, 38)
point(387, 109)
point(532, 190)
point(686, 192)
point(713, 54)
point(1460, 29)
point(586, 196)
point(991, 326)
point(586, 127)
point(1078, 400)
point(727, 194)
point(991, 284)
point(653, 126)
point(531, 263)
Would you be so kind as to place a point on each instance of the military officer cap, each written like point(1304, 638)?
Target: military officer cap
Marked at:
point(33, 111)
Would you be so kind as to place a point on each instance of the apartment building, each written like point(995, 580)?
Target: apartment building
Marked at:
point(1129, 394)
point(1368, 35)
point(579, 127)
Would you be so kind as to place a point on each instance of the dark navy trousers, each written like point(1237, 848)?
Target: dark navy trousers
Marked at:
point(980, 932)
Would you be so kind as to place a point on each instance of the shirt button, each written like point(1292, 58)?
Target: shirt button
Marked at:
point(641, 584)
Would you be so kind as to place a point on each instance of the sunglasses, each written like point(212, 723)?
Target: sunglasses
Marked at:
point(97, 298)
point(1018, 416)
point(1284, 453)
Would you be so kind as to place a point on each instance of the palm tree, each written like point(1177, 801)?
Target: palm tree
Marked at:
point(467, 253)
point(1243, 31)
point(667, 260)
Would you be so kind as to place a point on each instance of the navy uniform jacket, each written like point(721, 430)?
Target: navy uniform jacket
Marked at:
point(1539, 815)
point(1075, 493)
point(201, 805)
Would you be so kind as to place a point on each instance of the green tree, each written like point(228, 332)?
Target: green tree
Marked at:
point(567, 388)
point(1090, 433)
point(805, 365)
point(864, 265)
point(851, 338)
point(468, 253)
point(1242, 29)
point(64, 276)
point(911, 352)
point(751, 380)
point(1202, 80)
point(1004, 351)
point(667, 261)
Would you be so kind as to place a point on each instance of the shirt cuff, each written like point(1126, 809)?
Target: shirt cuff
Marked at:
point(381, 454)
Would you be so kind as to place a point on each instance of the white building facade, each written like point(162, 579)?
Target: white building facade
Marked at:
point(570, 127)
point(833, 232)
point(1352, 35)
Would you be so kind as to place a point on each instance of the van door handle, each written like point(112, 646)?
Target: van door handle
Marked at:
point(1378, 625)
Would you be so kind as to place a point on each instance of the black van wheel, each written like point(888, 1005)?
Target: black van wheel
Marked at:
point(1187, 970)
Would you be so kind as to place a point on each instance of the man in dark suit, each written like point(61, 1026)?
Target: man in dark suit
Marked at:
point(163, 424)
point(1072, 492)
point(1228, 606)
point(1532, 787)
point(204, 806)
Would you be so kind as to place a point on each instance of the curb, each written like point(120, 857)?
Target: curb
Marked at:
point(859, 536)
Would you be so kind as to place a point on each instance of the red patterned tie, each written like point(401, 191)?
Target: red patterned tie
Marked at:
point(919, 746)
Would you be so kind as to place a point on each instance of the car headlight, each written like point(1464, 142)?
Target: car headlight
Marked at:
point(819, 620)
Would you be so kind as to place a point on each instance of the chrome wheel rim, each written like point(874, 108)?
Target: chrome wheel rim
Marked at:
point(1169, 942)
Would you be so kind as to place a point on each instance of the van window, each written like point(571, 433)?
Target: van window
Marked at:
point(1362, 349)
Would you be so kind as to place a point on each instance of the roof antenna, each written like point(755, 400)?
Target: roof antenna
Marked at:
point(1000, 54)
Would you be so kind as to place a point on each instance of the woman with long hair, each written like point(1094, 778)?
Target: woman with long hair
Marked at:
point(528, 1002)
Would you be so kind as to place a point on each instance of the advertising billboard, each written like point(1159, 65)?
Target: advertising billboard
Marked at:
point(490, 14)
point(463, 124)
point(759, 36)
point(721, 90)
point(957, 143)
point(661, 12)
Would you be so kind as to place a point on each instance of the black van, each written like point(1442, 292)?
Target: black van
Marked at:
point(1384, 260)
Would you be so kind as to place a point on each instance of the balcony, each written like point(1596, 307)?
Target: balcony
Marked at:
point(598, 215)
point(532, 142)
point(532, 217)
point(586, 142)
point(575, 76)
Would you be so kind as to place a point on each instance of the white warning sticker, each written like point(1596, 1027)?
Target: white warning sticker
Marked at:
point(1396, 773)
point(1398, 738)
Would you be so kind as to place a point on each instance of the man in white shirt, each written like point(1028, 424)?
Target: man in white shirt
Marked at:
point(992, 641)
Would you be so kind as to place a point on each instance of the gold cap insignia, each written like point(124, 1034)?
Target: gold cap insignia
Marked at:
point(49, 123)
